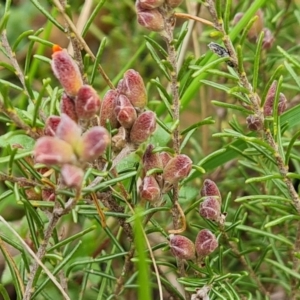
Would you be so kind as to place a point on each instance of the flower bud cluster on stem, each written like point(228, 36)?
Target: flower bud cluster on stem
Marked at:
point(169, 170)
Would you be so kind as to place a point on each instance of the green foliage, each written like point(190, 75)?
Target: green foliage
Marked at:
point(101, 240)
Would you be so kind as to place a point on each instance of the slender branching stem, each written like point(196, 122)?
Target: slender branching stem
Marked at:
point(191, 17)
point(179, 223)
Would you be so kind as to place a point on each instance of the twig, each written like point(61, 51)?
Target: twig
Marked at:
point(191, 17)
point(177, 215)
point(22, 181)
point(82, 41)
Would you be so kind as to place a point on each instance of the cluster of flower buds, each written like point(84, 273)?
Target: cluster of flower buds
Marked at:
point(66, 146)
point(124, 109)
point(269, 103)
point(79, 101)
point(149, 14)
point(183, 248)
point(170, 170)
point(210, 208)
point(256, 28)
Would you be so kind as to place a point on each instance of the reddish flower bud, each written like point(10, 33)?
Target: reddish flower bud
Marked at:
point(254, 123)
point(237, 17)
point(268, 107)
point(206, 243)
point(125, 112)
point(151, 160)
point(51, 125)
point(87, 102)
point(67, 106)
point(48, 195)
point(150, 190)
point(132, 85)
point(210, 188)
point(210, 209)
point(165, 158)
point(174, 3)
point(143, 127)
point(66, 71)
point(108, 109)
point(182, 247)
point(51, 150)
point(176, 169)
point(150, 19)
point(94, 143)
point(68, 131)
point(72, 176)
point(150, 4)
point(268, 39)
point(282, 103)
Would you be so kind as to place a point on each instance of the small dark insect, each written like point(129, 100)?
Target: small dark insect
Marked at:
point(217, 49)
point(220, 51)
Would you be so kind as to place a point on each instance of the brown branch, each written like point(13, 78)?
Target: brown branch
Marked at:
point(195, 18)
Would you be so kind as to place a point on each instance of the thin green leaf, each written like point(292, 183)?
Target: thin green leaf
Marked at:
point(292, 73)
point(226, 19)
point(93, 260)
point(42, 58)
point(157, 46)
point(281, 220)
point(206, 121)
point(48, 16)
point(3, 21)
point(157, 60)
point(144, 288)
point(239, 51)
point(4, 292)
point(29, 51)
point(108, 183)
point(147, 212)
point(231, 106)
point(9, 84)
point(208, 66)
point(17, 279)
point(291, 59)
point(97, 60)
point(256, 231)
point(72, 238)
point(41, 41)
point(264, 178)
point(283, 268)
point(92, 17)
point(181, 36)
